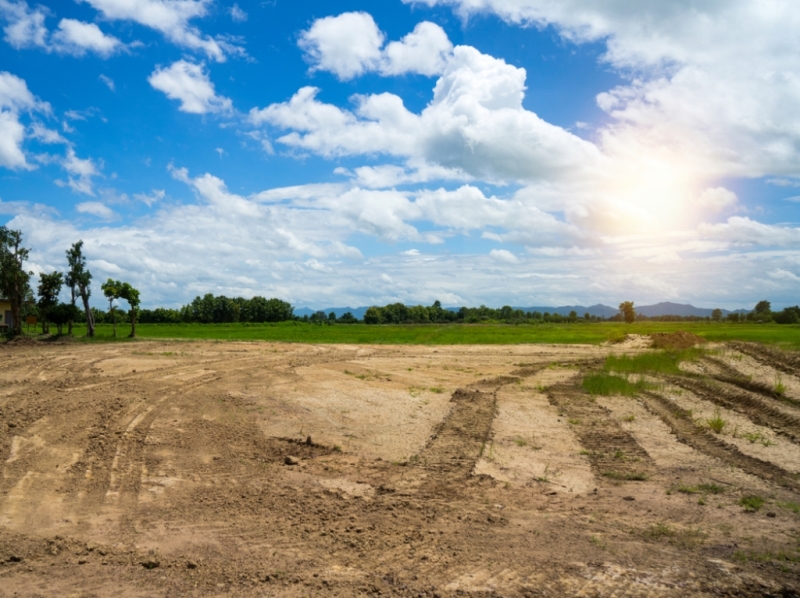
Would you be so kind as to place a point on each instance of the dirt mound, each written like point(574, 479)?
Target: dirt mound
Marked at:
point(676, 340)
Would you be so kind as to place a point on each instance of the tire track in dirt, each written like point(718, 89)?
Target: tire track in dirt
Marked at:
point(751, 406)
point(785, 362)
point(734, 377)
point(683, 427)
point(613, 452)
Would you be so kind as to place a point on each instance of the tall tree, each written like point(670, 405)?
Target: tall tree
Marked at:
point(627, 311)
point(131, 295)
point(48, 290)
point(111, 289)
point(14, 280)
point(79, 277)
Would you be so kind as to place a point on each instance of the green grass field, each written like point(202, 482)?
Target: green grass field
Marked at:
point(469, 334)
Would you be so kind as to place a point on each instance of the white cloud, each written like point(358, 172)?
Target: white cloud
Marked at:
point(475, 124)
point(503, 255)
point(95, 208)
point(712, 83)
point(718, 199)
point(171, 18)
point(12, 134)
point(424, 51)
point(75, 37)
point(41, 133)
point(81, 172)
point(351, 44)
point(189, 84)
point(237, 14)
point(742, 230)
point(15, 98)
point(154, 197)
point(25, 27)
point(108, 81)
point(347, 45)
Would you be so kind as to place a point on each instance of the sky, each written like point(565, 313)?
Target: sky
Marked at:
point(348, 153)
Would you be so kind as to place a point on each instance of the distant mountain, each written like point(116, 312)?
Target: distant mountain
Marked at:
point(665, 308)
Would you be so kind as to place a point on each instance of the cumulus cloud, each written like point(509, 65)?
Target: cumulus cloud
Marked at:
point(475, 124)
point(15, 97)
point(694, 88)
point(350, 44)
point(718, 199)
point(171, 18)
point(95, 208)
point(26, 29)
point(189, 84)
point(75, 37)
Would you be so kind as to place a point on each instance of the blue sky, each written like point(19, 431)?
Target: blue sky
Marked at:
point(517, 152)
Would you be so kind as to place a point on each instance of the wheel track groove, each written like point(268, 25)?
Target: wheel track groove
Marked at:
point(786, 363)
point(754, 408)
point(683, 427)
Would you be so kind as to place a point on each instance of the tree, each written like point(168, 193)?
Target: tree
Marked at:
point(131, 295)
point(63, 313)
point(716, 315)
point(373, 315)
point(763, 309)
point(48, 290)
point(79, 278)
point(111, 289)
point(14, 280)
point(627, 312)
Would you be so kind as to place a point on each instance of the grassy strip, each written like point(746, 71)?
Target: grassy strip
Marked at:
point(659, 362)
point(607, 384)
point(454, 334)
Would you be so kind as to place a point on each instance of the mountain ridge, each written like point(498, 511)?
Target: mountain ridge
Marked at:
point(663, 308)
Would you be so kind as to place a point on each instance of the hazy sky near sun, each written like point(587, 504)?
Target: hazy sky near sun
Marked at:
point(522, 152)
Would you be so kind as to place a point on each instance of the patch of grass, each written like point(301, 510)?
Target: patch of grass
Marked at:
point(618, 454)
point(688, 489)
point(629, 418)
point(627, 476)
point(606, 385)
point(751, 504)
point(794, 507)
point(437, 389)
point(711, 489)
point(574, 422)
point(779, 388)
point(658, 362)
point(754, 437)
point(684, 538)
point(716, 424)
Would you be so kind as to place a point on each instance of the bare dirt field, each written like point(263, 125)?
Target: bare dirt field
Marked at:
point(258, 469)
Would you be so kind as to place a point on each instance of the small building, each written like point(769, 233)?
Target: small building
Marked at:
point(5, 313)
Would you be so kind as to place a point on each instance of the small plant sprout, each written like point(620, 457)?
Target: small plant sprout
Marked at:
point(716, 424)
point(779, 388)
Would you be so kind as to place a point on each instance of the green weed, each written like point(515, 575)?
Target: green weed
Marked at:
point(794, 507)
point(751, 504)
point(658, 362)
point(716, 424)
point(629, 418)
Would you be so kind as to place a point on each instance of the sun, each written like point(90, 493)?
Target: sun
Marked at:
point(657, 194)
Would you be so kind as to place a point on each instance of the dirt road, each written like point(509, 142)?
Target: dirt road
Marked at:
point(258, 469)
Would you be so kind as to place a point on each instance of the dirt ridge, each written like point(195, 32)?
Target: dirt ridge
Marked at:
point(751, 406)
point(683, 427)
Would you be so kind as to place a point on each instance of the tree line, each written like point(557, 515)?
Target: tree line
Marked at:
point(761, 313)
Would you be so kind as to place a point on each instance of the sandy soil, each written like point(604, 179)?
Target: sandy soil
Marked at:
point(262, 469)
